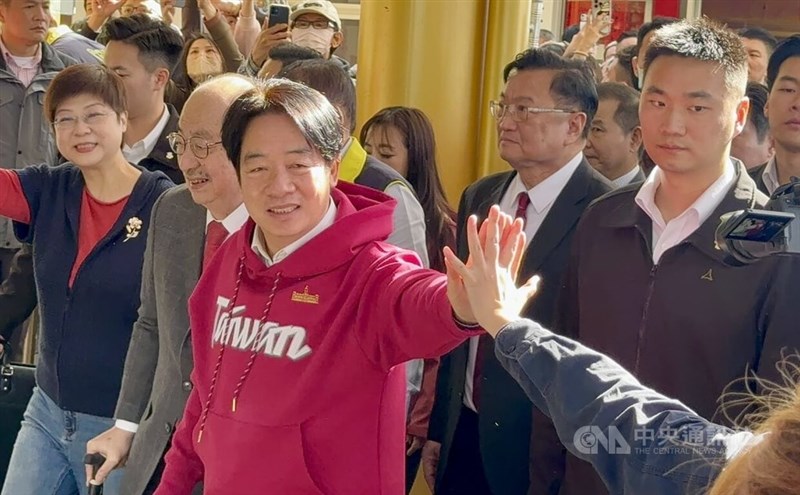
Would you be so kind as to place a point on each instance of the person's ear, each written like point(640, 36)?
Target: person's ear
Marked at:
point(161, 78)
point(742, 109)
point(577, 123)
point(335, 172)
point(123, 121)
point(635, 140)
point(338, 39)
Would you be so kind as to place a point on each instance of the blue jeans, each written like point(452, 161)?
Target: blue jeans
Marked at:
point(48, 454)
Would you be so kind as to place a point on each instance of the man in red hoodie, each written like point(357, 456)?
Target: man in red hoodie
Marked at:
point(301, 314)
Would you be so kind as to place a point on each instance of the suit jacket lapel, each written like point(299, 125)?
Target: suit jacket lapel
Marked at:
point(562, 217)
point(495, 194)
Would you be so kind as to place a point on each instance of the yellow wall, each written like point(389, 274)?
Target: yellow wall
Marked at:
point(444, 57)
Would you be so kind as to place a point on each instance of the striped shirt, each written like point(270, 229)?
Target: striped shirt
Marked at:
point(24, 68)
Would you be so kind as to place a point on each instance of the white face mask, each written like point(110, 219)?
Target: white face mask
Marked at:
point(318, 40)
point(203, 67)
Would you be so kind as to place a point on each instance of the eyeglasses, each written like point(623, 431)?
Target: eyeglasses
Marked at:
point(69, 122)
point(315, 25)
point(519, 113)
point(199, 146)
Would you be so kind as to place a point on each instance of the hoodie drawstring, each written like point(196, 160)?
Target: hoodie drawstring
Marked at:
point(218, 365)
point(262, 327)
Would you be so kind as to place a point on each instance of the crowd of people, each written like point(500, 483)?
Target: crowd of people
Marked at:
point(235, 294)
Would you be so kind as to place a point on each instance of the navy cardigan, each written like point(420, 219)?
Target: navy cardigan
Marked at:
point(85, 330)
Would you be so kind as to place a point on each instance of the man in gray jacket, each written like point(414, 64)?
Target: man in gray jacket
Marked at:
point(188, 224)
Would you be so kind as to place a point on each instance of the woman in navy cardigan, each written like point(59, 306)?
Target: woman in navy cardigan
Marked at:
point(87, 221)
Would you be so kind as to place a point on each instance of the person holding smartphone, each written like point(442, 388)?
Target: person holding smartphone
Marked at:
point(313, 24)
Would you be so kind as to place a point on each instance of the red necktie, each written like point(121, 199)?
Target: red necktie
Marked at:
point(523, 200)
point(485, 343)
point(215, 236)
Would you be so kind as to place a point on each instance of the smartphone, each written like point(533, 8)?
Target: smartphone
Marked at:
point(584, 19)
point(602, 7)
point(278, 14)
point(179, 3)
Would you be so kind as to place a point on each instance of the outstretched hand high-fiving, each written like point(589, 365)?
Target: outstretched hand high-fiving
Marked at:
point(484, 289)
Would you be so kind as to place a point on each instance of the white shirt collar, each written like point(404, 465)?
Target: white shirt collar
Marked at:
point(544, 194)
point(259, 246)
point(770, 175)
point(701, 209)
point(233, 222)
point(626, 179)
point(142, 149)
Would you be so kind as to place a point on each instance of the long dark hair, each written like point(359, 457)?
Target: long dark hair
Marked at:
point(423, 175)
point(185, 82)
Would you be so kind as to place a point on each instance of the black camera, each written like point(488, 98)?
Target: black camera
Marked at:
point(749, 235)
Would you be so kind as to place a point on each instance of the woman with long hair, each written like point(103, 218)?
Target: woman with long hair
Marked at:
point(87, 221)
point(403, 138)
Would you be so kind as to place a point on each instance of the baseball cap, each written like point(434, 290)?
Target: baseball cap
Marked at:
point(321, 7)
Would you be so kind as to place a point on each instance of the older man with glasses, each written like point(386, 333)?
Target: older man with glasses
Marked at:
point(480, 430)
point(188, 224)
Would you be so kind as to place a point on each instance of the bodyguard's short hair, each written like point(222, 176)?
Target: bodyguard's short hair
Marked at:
point(330, 79)
point(788, 48)
point(758, 94)
point(159, 45)
point(573, 84)
point(705, 40)
point(314, 115)
point(627, 114)
point(762, 35)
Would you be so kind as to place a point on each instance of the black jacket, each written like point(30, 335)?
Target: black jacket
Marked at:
point(162, 158)
point(687, 326)
point(86, 326)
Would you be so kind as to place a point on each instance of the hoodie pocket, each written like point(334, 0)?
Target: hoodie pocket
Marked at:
point(247, 458)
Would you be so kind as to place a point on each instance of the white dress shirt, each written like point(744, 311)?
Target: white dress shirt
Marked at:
point(142, 149)
point(625, 179)
point(542, 196)
point(232, 224)
point(260, 247)
point(770, 176)
point(669, 234)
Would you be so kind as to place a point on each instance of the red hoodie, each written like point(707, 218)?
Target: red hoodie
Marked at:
point(317, 410)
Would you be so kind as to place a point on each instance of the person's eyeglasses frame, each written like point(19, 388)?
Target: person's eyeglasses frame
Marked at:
point(178, 144)
point(318, 25)
point(500, 110)
point(69, 123)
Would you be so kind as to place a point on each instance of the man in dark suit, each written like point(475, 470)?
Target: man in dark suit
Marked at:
point(188, 224)
point(614, 146)
point(783, 113)
point(481, 426)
